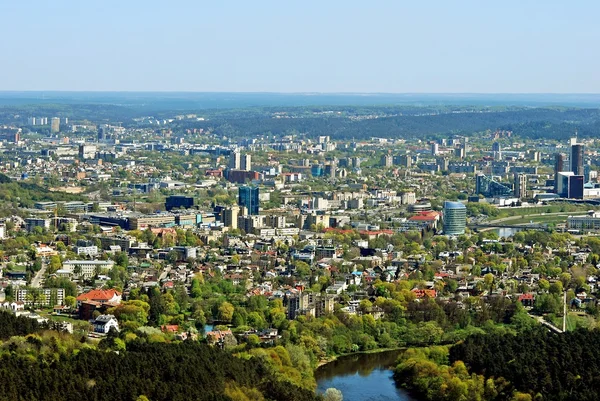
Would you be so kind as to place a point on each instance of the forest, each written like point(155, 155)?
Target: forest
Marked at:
point(533, 364)
point(340, 122)
point(535, 123)
point(37, 364)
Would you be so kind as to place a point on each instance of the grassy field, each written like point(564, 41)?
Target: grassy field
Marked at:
point(574, 320)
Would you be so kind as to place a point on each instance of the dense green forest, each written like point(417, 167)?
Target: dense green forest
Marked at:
point(559, 367)
point(36, 364)
point(532, 364)
point(530, 122)
point(184, 371)
point(338, 121)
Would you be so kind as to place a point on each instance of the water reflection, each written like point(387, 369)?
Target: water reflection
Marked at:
point(362, 377)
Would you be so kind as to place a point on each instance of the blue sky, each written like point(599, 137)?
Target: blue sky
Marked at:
point(525, 46)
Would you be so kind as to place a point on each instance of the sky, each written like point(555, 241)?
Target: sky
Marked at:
point(396, 46)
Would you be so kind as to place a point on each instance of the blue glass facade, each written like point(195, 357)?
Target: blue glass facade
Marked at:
point(248, 197)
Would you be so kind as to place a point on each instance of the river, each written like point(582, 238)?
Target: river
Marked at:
point(362, 377)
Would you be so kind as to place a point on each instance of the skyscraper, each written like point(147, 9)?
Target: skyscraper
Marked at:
point(455, 218)
point(559, 165)
point(54, 125)
point(435, 148)
point(577, 159)
point(246, 162)
point(520, 185)
point(235, 160)
point(248, 198)
point(497, 151)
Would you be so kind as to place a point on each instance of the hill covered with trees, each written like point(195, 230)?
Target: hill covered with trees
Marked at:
point(529, 365)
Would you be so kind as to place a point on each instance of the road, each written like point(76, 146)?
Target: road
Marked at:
point(36, 281)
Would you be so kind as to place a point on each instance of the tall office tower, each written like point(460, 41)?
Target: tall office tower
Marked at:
point(497, 151)
point(455, 218)
point(577, 159)
point(435, 148)
point(520, 185)
point(235, 160)
point(559, 165)
point(248, 198)
point(54, 125)
point(246, 162)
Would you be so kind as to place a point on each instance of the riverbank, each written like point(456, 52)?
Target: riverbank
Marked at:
point(334, 358)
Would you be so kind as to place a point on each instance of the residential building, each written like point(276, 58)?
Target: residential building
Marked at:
point(54, 125)
point(104, 323)
point(84, 268)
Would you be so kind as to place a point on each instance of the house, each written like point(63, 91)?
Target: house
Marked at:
point(100, 296)
point(104, 323)
point(12, 306)
point(424, 293)
point(526, 299)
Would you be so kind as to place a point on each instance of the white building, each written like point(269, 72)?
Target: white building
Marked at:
point(104, 323)
point(87, 250)
point(47, 296)
point(87, 267)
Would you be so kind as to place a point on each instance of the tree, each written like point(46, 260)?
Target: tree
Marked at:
point(70, 301)
point(55, 263)
point(489, 281)
point(556, 288)
point(333, 394)
point(226, 311)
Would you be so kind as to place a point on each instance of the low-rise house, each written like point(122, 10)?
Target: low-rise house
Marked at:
point(104, 323)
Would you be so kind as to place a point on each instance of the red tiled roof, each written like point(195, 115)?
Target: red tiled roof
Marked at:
point(526, 297)
point(98, 295)
point(425, 216)
point(424, 293)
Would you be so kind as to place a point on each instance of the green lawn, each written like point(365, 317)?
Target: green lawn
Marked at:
point(574, 320)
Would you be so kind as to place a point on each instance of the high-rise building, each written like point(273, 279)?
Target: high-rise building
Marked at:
point(248, 198)
point(576, 187)
point(520, 185)
point(435, 148)
point(497, 151)
point(230, 217)
point(387, 161)
point(577, 159)
point(559, 166)
point(235, 160)
point(405, 161)
point(455, 218)
point(31, 121)
point(55, 125)
point(246, 162)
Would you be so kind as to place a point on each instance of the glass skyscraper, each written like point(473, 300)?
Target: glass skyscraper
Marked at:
point(248, 197)
point(455, 218)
